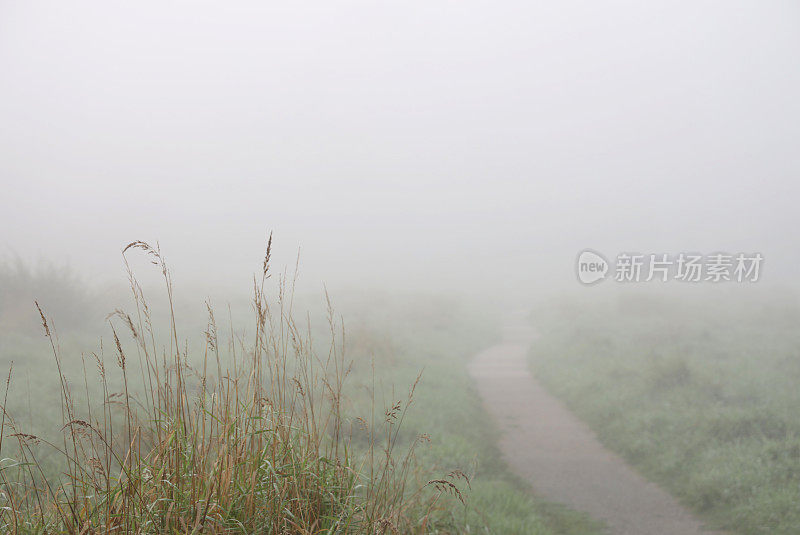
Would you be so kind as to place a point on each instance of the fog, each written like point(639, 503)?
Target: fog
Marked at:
point(410, 145)
point(442, 170)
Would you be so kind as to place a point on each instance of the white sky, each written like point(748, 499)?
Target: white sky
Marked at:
point(398, 142)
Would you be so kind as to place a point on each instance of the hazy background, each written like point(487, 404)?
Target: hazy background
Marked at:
point(411, 145)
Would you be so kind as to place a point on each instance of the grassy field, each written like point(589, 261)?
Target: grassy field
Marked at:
point(698, 392)
point(184, 423)
point(439, 337)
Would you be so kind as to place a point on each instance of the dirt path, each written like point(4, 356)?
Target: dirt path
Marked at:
point(560, 456)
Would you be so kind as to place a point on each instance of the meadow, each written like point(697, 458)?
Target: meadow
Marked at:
point(148, 417)
point(698, 391)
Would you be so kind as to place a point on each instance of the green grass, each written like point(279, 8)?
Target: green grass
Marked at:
point(254, 427)
point(440, 337)
point(700, 394)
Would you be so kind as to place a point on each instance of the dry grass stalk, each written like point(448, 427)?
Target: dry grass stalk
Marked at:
point(254, 445)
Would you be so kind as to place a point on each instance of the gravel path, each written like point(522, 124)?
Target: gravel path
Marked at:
point(560, 456)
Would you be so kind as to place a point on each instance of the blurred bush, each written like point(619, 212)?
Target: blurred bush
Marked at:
point(61, 292)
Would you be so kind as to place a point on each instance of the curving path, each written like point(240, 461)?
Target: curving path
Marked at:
point(560, 456)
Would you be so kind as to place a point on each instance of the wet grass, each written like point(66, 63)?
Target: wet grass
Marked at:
point(247, 434)
point(440, 337)
point(700, 394)
point(257, 423)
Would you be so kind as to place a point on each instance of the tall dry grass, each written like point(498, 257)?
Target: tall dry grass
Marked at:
point(252, 440)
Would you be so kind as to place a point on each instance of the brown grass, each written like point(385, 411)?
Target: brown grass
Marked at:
point(253, 440)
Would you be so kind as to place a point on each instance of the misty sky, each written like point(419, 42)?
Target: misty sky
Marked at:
point(398, 141)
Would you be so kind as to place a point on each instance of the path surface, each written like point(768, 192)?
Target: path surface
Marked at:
point(560, 456)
